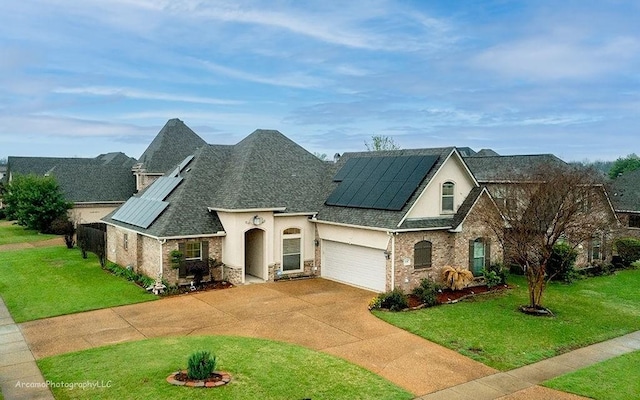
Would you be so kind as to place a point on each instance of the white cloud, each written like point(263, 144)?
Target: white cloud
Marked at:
point(555, 58)
point(141, 94)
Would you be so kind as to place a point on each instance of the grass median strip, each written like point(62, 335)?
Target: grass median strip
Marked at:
point(491, 330)
point(49, 281)
point(260, 369)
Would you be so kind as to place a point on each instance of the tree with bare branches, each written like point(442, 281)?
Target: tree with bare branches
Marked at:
point(546, 205)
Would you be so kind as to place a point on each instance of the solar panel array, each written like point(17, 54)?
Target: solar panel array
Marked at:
point(383, 183)
point(142, 211)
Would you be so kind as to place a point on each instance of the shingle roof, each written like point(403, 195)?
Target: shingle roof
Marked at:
point(625, 193)
point(370, 217)
point(172, 144)
point(105, 178)
point(492, 169)
point(265, 170)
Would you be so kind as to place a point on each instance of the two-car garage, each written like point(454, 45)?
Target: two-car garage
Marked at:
point(355, 265)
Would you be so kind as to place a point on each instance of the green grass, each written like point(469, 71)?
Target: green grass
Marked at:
point(260, 369)
point(490, 328)
point(615, 379)
point(48, 281)
point(10, 234)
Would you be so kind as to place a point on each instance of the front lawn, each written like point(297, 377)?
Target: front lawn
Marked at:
point(614, 379)
point(49, 281)
point(491, 330)
point(10, 233)
point(260, 369)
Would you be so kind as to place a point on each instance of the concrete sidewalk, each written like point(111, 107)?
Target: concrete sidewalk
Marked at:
point(520, 383)
point(20, 377)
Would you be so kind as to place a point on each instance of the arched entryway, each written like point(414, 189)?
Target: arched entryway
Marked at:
point(254, 254)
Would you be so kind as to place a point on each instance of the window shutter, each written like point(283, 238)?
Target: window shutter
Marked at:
point(471, 254)
point(487, 253)
point(205, 250)
point(182, 271)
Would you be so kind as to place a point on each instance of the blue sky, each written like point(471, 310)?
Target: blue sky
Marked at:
point(80, 78)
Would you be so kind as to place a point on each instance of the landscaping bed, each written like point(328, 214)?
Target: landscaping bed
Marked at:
point(448, 296)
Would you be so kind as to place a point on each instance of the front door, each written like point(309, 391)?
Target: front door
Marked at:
point(254, 253)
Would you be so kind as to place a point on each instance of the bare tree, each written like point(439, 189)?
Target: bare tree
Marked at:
point(381, 142)
point(550, 204)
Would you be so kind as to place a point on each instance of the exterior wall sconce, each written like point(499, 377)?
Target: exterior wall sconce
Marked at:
point(257, 220)
point(387, 255)
point(316, 242)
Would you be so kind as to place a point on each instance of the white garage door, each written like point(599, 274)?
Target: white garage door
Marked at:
point(355, 265)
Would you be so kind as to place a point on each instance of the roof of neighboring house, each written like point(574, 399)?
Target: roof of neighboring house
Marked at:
point(172, 144)
point(388, 219)
point(485, 153)
point(496, 169)
point(105, 178)
point(265, 170)
point(625, 193)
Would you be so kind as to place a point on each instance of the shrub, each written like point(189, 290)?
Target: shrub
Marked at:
point(427, 292)
point(499, 271)
point(201, 365)
point(394, 300)
point(3, 214)
point(456, 278)
point(635, 264)
point(375, 303)
point(491, 277)
point(63, 226)
point(598, 268)
point(628, 249)
point(561, 265)
point(130, 275)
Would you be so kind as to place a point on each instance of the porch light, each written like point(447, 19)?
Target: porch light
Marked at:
point(387, 255)
point(257, 220)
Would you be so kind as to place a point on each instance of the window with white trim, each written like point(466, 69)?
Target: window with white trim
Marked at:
point(291, 249)
point(448, 189)
point(193, 251)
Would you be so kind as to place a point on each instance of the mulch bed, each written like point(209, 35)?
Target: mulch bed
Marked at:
point(448, 296)
point(203, 287)
point(216, 379)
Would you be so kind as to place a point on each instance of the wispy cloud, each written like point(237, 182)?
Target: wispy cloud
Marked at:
point(141, 94)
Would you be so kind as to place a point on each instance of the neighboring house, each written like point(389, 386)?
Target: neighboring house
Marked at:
point(625, 195)
point(174, 142)
point(3, 171)
point(499, 173)
point(268, 209)
point(95, 186)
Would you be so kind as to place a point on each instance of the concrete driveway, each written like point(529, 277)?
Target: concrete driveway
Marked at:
point(315, 313)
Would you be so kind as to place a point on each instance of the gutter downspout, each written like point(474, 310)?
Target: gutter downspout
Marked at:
point(393, 260)
point(162, 242)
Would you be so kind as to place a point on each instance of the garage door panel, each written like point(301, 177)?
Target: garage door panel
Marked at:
point(356, 265)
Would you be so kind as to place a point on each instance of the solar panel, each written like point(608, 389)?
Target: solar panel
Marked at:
point(140, 212)
point(384, 183)
point(161, 188)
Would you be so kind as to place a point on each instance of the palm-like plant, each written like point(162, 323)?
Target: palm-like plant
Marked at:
point(456, 277)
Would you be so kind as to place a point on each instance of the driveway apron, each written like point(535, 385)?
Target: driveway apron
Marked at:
point(315, 313)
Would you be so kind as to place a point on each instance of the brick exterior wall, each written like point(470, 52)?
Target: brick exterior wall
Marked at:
point(307, 270)
point(143, 254)
point(447, 248)
point(626, 230)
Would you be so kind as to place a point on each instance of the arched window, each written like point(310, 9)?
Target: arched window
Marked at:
point(447, 197)
point(291, 250)
point(422, 254)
